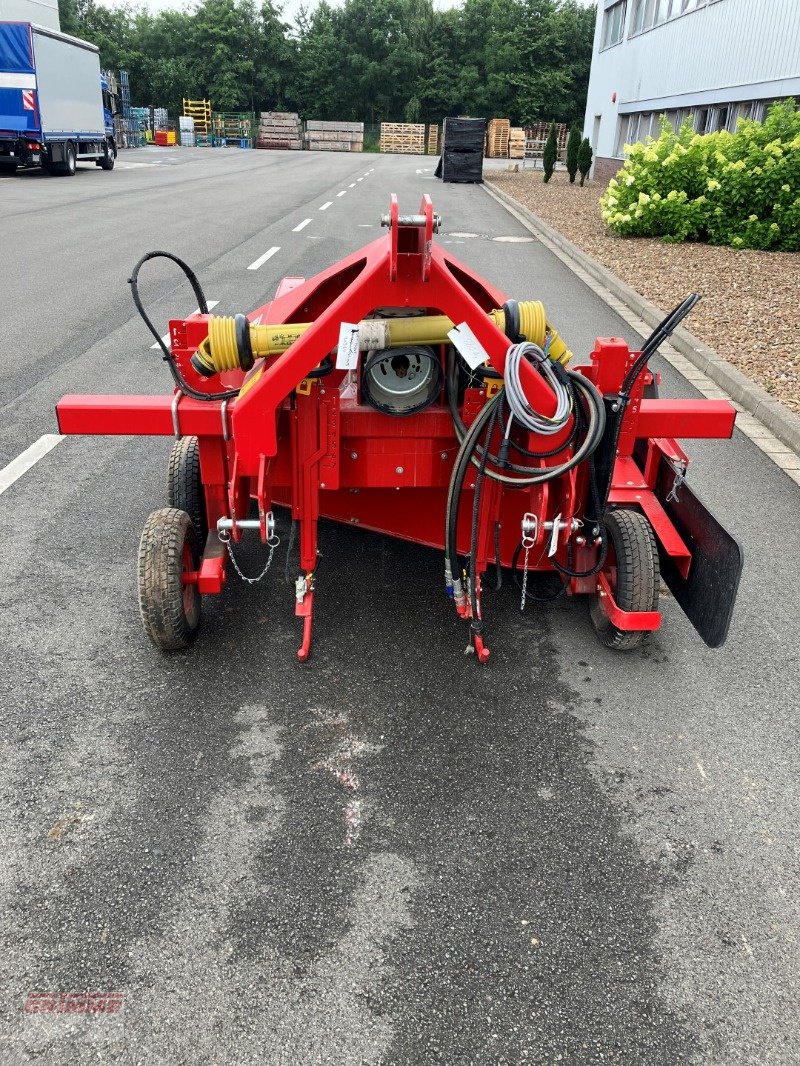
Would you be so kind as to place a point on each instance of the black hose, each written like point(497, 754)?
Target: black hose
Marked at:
point(542, 474)
point(178, 378)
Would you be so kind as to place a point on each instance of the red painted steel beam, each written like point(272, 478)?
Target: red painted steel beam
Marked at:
point(137, 416)
point(685, 418)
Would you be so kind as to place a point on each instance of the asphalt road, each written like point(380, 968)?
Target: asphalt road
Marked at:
point(390, 855)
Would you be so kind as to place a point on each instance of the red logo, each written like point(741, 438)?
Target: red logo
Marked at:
point(28, 100)
point(74, 1002)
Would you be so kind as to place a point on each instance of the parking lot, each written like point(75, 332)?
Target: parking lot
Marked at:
point(391, 854)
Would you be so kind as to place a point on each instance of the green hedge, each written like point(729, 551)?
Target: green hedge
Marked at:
point(740, 189)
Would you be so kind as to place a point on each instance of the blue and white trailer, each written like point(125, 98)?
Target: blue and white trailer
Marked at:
point(55, 109)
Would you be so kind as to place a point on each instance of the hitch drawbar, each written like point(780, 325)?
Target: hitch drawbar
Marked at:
point(401, 392)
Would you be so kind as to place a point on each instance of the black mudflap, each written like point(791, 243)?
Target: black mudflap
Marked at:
point(708, 595)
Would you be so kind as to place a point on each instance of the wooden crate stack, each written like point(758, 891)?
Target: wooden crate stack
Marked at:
point(516, 143)
point(497, 138)
point(280, 129)
point(433, 140)
point(334, 136)
point(403, 137)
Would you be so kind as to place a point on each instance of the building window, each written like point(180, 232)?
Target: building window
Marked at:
point(614, 23)
point(649, 13)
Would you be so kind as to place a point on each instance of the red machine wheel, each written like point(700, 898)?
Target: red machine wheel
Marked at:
point(170, 608)
point(633, 573)
point(185, 487)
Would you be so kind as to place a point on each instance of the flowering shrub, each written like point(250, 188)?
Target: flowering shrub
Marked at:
point(741, 189)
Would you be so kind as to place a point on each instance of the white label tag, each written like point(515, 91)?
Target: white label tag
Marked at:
point(468, 345)
point(347, 352)
point(554, 537)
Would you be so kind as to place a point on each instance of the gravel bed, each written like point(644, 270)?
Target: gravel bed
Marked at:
point(750, 311)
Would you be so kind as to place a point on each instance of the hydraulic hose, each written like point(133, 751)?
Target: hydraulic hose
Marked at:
point(178, 378)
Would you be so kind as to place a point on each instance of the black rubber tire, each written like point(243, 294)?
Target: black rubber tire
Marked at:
point(185, 488)
point(67, 168)
point(170, 610)
point(633, 551)
point(107, 162)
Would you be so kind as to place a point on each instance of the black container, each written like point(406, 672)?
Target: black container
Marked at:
point(462, 150)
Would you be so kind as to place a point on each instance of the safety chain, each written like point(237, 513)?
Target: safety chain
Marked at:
point(272, 544)
point(679, 469)
point(530, 530)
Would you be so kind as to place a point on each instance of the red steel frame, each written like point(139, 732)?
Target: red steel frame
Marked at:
point(310, 445)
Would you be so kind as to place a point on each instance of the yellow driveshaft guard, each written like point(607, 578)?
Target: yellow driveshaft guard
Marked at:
point(220, 351)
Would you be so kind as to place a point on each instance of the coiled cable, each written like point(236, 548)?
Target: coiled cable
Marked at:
point(521, 410)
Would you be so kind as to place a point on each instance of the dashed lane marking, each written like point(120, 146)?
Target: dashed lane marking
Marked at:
point(301, 225)
point(324, 207)
point(342, 193)
point(211, 304)
point(352, 185)
point(359, 179)
point(22, 464)
point(263, 258)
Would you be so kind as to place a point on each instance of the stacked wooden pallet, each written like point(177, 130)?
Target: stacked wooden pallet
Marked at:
point(334, 136)
point(516, 143)
point(536, 137)
point(497, 138)
point(433, 140)
point(233, 128)
point(280, 129)
point(403, 137)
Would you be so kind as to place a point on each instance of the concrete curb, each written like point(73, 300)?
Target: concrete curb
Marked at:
point(782, 422)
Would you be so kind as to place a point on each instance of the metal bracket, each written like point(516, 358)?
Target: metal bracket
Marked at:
point(226, 433)
point(176, 399)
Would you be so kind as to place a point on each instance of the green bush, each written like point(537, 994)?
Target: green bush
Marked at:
point(740, 189)
point(550, 152)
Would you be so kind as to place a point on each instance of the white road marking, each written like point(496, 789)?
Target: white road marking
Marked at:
point(263, 258)
point(342, 193)
point(359, 179)
point(302, 225)
point(211, 304)
point(22, 464)
point(325, 207)
point(365, 225)
point(352, 185)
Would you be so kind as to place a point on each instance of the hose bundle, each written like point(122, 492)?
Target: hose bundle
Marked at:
point(521, 410)
point(577, 399)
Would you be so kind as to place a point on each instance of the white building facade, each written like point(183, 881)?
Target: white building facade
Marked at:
point(42, 12)
point(711, 60)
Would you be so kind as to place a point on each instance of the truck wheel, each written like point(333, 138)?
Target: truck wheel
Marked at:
point(169, 608)
point(633, 573)
point(107, 162)
point(185, 488)
point(67, 168)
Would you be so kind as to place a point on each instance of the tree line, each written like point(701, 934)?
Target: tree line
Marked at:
point(365, 60)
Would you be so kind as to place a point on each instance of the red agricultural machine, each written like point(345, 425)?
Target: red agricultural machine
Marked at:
point(400, 392)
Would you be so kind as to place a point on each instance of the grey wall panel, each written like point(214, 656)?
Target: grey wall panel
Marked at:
point(69, 86)
point(42, 12)
point(724, 50)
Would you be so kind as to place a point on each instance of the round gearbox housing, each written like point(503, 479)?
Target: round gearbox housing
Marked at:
point(401, 381)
